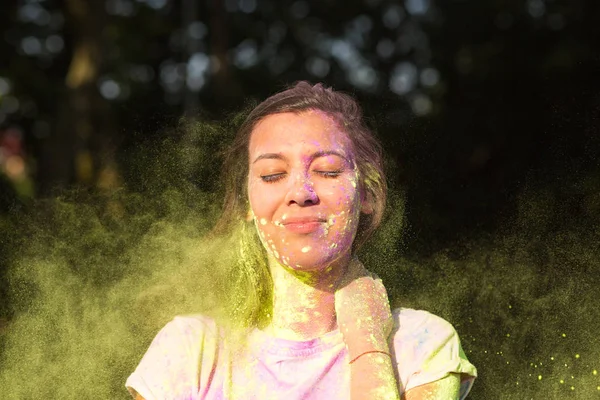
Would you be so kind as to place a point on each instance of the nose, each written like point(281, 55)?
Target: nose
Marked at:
point(302, 191)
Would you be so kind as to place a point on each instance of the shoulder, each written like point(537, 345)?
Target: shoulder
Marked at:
point(193, 324)
point(183, 349)
point(187, 337)
point(185, 333)
point(418, 324)
point(417, 334)
point(427, 348)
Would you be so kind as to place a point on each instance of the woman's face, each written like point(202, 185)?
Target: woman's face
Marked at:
point(303, 189)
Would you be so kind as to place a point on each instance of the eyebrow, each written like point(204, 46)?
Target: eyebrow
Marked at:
point(316, 154)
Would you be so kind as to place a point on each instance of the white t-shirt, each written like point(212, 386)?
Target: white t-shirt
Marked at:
point(187, 360)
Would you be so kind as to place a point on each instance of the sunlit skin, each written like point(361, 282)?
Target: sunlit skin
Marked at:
point(446, 388)
point(303, 166)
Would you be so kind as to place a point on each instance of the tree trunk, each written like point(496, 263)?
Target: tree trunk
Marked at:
point(224, 86)
point(82, 152)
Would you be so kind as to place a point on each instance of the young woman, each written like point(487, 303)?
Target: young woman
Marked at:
point(305, 190)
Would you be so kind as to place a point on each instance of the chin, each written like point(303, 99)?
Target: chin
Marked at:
point(308, 262)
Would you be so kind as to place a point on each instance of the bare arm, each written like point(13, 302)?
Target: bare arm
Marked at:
point(444, 389)
point(137, 395)
point(365, 320)
point(372, 377)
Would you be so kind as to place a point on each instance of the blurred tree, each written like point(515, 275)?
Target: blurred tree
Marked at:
point(84, 143)
point(469, 97)
point(477, 102)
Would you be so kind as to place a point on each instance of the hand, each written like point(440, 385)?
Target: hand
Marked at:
point(363, 310)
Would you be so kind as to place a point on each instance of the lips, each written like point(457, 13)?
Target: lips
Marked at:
point(303, 225)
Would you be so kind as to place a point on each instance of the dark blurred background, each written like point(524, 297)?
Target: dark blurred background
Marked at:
point(473, 99)
point(489, 110)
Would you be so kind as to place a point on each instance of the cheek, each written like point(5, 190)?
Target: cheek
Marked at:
point(348, 213)
point(261, 200)
point(344, 197)
point(268, 235)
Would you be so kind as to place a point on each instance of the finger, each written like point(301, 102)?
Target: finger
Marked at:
point(355, 270)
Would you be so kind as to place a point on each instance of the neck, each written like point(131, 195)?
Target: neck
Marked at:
point(304, 301)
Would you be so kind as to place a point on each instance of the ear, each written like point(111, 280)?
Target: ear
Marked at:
point(366, 202)
point(249, 216)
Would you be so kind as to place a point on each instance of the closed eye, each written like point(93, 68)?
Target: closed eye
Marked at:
point(272, 178)
point(276, 177)
point(329, 174)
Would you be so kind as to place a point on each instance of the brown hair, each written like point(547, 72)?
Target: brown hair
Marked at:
point(251, 273)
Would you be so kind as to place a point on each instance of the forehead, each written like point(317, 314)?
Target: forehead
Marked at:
point(310, 130)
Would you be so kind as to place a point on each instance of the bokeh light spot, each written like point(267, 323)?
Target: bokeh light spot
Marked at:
point(110, 89)
point(430, 77)
point(362, 23)
point(247, 6)
point(245, 54)
point(141, 73)
point(172, 75)
point(55, 44)
point(392, 16)
point(299, 9)
point(317, 66)
point(536, 8)
point(34, 12)
point(363, 77)
point(421, 104)
point(231, 5)
point(31, 45)
point(385, 48)
point(403, 78)
point(197, 67)
point(277, 31)
point(9, 104)
point(343, 51)
point(156, 4)
point(15, 167)
point(197, 30)
point(4, 86)
point(417, 7)
point(123, 8)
